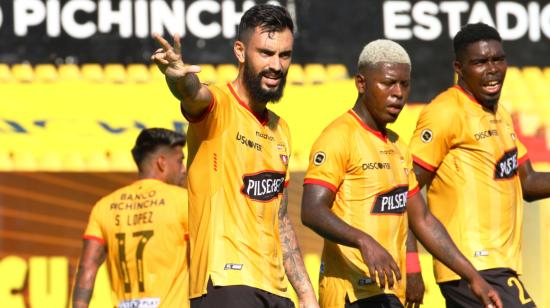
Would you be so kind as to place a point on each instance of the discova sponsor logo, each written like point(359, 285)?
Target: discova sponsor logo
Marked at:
point(426, 20)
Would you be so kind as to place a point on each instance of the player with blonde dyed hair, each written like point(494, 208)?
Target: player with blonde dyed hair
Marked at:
point(360, 194)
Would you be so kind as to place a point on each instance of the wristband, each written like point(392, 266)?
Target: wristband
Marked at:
point(413, 264)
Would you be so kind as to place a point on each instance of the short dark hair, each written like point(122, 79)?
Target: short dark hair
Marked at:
point(151, 139)
point(270, 18)
point(472, 33)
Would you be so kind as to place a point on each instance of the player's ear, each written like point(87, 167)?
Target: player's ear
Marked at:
point(161, 163)
point(360, 83)
point(239, 50)
point(458, 68)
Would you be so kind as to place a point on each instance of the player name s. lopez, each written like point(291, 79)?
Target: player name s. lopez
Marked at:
point(392, 202)
point(263, 186)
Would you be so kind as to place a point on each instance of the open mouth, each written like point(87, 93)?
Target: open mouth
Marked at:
point(272, 81)
point(492, 87)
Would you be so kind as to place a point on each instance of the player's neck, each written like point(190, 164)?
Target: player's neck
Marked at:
point(244, 95)
point(362, 112)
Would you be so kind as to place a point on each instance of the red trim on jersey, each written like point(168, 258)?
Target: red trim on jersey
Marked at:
point(473, 99)
point(262, 118)
point(378, 134)
point(413, 192)
point(94, 238)
point(424, 164)
point(523, 159)
point(186, 237)
point(325, 184)
point(286, 183)
point(203, 115)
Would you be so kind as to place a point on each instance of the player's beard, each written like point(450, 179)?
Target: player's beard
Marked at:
point(253, 84)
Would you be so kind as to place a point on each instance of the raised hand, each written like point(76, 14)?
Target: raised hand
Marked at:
point(169, 59)
point(379, 261)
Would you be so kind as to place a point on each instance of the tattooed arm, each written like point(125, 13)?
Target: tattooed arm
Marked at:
point(431, 233)
point(292, 258)
point(93, 255)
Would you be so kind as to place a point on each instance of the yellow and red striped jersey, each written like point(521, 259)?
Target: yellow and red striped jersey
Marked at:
point(144, 227)
point(476, 190)
point(237, 170)
point(372, 177)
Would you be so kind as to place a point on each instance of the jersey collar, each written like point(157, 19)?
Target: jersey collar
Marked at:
point(262, 118)
point(378, 134)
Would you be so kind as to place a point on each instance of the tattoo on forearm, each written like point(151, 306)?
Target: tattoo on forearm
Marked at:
point(292, 257)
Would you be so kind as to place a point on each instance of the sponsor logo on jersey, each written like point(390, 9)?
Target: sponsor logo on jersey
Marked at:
point(391, 202)
point(319, 158)
point(248, 142)
point(426, 136)
point(265, 136)
point(375, 166)
point(263, 186)
point(507, 166)
point(486, 134)
point(481, 253)
point(233, 266)
point(150, 302)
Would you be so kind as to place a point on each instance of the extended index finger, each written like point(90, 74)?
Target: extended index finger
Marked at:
point(164, 43)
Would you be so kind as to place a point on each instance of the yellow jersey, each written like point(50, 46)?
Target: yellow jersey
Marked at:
point(237, 170)
point(476, 190)
point(371, 175)
point(144, 228)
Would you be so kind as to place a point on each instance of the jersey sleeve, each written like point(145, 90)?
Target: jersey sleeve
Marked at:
point(522, 152)
point(328, 160)
point(434, 134)
point(210, 122)
point(182, 210)
point(94, 230)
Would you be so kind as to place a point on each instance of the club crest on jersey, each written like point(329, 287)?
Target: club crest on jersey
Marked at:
point(319, 158)
point(263, 186)
point(426, 136)
point(507, 166)
point(391, 202)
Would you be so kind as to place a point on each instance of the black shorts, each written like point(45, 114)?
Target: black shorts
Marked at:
point(239, 296)
point(505, 281)
point(378, 301)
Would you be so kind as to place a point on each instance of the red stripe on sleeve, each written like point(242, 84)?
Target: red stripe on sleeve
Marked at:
point(322, 183)
point(286, 183)
point(413, 192)
point(424, 164)
point(523, 159)
point(94, 238)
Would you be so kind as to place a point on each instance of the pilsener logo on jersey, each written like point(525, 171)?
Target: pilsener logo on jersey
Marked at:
point(507, 166)
point(391, 202)
point(263, 186)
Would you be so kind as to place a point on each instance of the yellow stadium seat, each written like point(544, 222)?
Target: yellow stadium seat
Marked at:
point(74, 161)
point(50, 161)
point(207, 73)
point(227, 72)
point(5, 161)
point(24, 161)
point(68, 72)
point(315, 73)
point(92, 72)
point(337, 72)
point(5, 73)
point(138, 73)
point(23, 72)
point(155, 74)
point(45, 72)
point(296, 75)
point(97, 161)
point(115, 73)
point(121, 160)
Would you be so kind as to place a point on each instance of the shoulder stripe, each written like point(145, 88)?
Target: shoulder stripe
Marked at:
point(94, 238)
point(424, 164)
point(322, 183)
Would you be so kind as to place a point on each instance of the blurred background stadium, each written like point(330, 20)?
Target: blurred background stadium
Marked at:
point(76, 87)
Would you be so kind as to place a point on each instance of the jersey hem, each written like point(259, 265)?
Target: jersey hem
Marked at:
point(423, 164)
point(325, 184)
point(203, 115)
point(94, 238)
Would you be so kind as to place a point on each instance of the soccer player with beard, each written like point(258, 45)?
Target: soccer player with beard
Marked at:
point(477, 171)
point(242, 241)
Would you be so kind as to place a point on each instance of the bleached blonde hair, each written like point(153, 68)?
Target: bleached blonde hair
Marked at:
point(382, 51)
